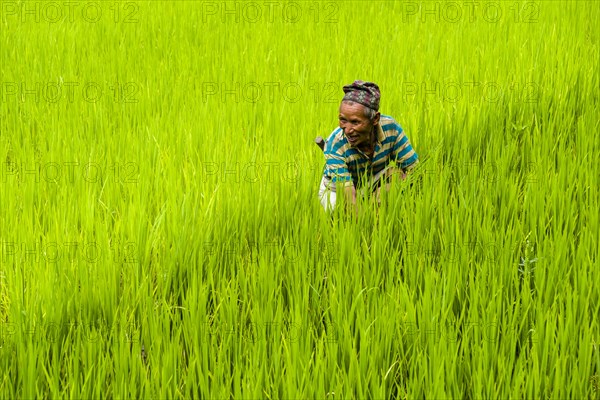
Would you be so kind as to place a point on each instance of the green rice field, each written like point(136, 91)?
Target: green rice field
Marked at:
point(160, 230)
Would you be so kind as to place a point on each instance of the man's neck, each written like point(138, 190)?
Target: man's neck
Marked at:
point(369, 148)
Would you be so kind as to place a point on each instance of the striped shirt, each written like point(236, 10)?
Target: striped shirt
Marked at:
point(348, 165)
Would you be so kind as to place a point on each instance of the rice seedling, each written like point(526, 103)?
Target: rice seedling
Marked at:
point(161, 235)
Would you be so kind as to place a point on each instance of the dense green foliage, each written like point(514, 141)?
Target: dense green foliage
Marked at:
point(161, 235)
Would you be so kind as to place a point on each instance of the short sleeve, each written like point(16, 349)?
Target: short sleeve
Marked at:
point(335, 165)
point(404, 154)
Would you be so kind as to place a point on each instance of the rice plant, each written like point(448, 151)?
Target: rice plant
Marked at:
point(161, 235)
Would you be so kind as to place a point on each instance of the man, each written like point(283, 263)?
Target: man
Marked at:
point(358, 154)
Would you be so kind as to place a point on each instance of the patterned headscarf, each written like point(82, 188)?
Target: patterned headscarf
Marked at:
point(365, 93)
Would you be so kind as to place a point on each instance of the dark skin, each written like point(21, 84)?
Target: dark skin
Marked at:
point(361, 133)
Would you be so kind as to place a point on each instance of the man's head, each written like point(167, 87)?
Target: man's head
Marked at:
point(359, 113)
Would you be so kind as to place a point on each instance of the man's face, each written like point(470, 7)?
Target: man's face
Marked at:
point(356, 126)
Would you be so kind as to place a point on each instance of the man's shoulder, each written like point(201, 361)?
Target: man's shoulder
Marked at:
point(388, 123)
point(337, 133)
point(335, 138)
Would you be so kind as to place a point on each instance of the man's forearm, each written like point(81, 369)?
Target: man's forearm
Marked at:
point(350, 194)
point(411, 166)
point(350, 198)
point(391, 172)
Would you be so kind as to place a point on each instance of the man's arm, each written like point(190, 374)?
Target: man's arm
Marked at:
point(337, 169)
point(404, 154)
point(410, 167)
point(350, 198)
point(405, 158)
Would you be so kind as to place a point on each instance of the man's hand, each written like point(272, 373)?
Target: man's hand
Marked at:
point(389, 174)
point(350, 198)
point(394, 171)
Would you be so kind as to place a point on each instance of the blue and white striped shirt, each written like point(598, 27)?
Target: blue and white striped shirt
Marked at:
point(348, 166)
